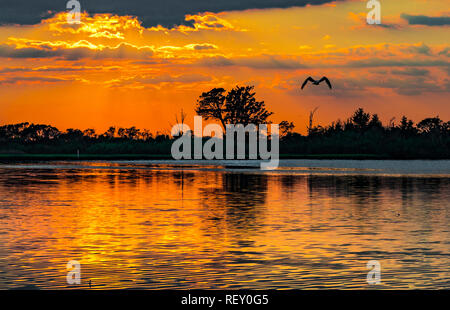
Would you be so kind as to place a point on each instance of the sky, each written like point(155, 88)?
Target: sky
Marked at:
point(138, 63)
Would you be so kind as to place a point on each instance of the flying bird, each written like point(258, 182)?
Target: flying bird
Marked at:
point(310, 79)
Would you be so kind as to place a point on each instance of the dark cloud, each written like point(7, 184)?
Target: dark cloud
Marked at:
point(215, 61)
point(57, 69)
point(426, 20)
point(200, 47)
point(156, 80)
point(445, 52)
point(420, 49)
point(411, 72)
point(123, 50)
point(15, 80)
point(378, 62)
point(9, 51)
point(151, 13)
point(256, 62)
point(384, 25)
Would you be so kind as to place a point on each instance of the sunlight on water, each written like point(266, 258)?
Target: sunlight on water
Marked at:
point(161, 227)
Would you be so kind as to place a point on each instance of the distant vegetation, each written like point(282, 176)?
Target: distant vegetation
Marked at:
point(28, 138)
point(362, 135)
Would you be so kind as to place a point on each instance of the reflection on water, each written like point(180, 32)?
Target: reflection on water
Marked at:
point(172, 228)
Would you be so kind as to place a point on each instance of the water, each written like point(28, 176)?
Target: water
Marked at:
point(154, 225)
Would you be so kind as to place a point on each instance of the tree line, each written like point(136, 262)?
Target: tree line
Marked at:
point(47, 139)
point(361, 133)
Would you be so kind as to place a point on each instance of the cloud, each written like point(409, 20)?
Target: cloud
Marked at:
point(411, 72)
point(361, 22)
point(420, 49)
point(445, 52)
point(141, 81)
point(378, 55)
point(426, 20)
point(187, 48)
point(205, 21)
point(215, 61)
point(410, 86)
point(111, 26)
point(256, 62)
point(362, 56)
point(10, 51)
point(151, 13)
point(23, 48)
point(17, 80)
point(378, 62)
point(58, 69)
point(203, 46)
point(96, 26)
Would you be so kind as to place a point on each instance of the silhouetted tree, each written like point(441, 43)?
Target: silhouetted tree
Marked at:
point(179, 122)
point(211, 105)
point(286, 128)
point(311, 118)
point(407, 127)
point(360, 119)
point(132, 133)
point(446, 128)
point(121, 133)
point(110, 133)
point(89, 133)
point(375, 122)
point(73, 134)
point(239, 106)
point(430, 125)
point(38, 132)
point(145, 135)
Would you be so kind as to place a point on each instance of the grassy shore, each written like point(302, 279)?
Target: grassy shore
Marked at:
point(74, 157)
point(82, 156)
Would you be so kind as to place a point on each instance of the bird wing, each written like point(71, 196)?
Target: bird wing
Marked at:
point(326, 80)
point(309, 79)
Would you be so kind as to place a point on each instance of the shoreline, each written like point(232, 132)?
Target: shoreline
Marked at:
point(74, 157)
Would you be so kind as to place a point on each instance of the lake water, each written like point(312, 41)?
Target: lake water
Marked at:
point(157, 225)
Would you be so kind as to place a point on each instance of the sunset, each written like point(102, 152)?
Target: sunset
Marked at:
point(114, 69)
point(223, 152)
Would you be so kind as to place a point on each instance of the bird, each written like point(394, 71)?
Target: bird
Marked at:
point(310, 79)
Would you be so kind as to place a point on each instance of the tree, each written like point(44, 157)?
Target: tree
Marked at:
point(286, 128)
point(132, 133)
point(89, 133)
point(446, 128)
point(242, 107)
point(110, 133)
point(360, 119)
point(375, 122)
point(211, 105)
point(430, 125)
point(179, 123)
point(407, 127)
point(311, 118)
point(39, 132)
point(239, 106)
point(145, 135)
point(121, 133)
point(73, 134)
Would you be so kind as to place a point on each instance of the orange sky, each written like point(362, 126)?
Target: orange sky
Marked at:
point(111, 70)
